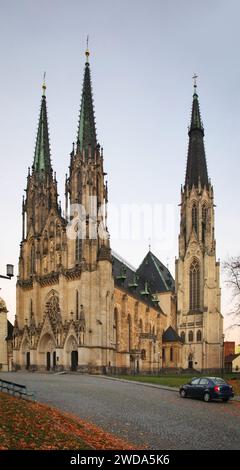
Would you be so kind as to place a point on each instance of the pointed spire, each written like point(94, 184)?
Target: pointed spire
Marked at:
point(86, 135)
point(196, 162)
point(42, 161)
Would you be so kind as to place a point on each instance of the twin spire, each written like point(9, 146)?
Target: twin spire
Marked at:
point(86, 135)
point(196, 171)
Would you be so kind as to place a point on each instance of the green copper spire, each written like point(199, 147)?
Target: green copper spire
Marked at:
point(86, 136)
point(42, 161)
point(196, 162)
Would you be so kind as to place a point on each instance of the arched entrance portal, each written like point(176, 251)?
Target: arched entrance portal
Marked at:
point(48, 360)
point(54, 360)
point(74, 360)
point(25, 353)
point(190, 361)
point(46, 350)
point(28, 360)
point(71, 353)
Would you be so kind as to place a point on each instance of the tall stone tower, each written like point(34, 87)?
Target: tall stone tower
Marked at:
point(199, 319)
point(86, 190)
point(65, 285)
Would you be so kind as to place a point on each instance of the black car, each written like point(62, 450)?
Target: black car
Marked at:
point(207, 388)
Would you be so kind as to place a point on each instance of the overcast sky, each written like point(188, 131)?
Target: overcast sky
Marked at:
point(143, 57)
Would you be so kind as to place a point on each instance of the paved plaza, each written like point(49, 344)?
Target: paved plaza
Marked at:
point(143, 415)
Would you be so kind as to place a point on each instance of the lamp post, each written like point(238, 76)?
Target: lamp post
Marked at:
point(9, 272)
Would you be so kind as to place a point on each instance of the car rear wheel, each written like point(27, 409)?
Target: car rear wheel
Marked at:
point(183, 393)
point(206, 397)
point(225, 399)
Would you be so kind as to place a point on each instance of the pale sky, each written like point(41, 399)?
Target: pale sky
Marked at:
point(143, 57)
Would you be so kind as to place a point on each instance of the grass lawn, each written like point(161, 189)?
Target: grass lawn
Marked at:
point(29, 425)
point(177, 380)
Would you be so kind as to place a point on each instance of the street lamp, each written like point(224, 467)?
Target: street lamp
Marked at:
point(9, 272)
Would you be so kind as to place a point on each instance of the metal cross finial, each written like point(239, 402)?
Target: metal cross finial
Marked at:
point(87, 53)
point(44, 84)
point(195, 81)
point(149, 244)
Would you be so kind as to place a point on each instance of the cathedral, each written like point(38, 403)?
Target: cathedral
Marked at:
point(83, 308)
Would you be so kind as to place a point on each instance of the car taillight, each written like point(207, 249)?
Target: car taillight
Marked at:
point(216, 388)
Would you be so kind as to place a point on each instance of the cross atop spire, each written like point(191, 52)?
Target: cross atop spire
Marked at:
point(42, 161)
point(44, 84)
point(87, 53)
point(195, 82)
point(86, 135)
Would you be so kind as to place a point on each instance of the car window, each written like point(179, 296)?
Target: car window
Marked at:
point(194, 381)
point(203, 381)
point(219, 381)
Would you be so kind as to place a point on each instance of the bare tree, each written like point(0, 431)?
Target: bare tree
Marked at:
point(231, 269)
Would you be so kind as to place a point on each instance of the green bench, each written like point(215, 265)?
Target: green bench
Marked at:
point(15, 389)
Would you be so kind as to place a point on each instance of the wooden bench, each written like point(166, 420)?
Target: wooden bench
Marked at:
point(13, 389)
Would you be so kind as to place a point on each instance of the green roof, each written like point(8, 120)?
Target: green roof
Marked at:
point(86, 136)
point(42, 161)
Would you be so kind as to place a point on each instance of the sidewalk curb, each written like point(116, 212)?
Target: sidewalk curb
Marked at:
point(145, 384)
point(148, 384)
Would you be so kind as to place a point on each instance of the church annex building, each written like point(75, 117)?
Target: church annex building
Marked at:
point(81, 307)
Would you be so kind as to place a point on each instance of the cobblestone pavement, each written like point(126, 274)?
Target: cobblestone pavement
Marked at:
point(155, 418)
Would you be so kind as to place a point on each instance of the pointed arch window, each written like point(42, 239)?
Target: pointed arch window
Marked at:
point(183, 336)
point(115, 329)
point(45, 243)
point(78, 247)
point(143, 354)
point(204, 212)
point(77, 305)
point(199, 335)
point(194, 287)
point(204, 220)
point(190, 336)
point(194, 217)
point(53, 308)
point(32, 260)
point(129, 343)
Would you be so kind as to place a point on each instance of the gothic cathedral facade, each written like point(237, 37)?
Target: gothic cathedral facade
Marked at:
point(79, 306)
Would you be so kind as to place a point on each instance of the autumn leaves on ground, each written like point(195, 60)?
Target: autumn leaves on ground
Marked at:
point(30, 425)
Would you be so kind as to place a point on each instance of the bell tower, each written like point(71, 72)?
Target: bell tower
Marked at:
point(85, 188)
point(199, 319)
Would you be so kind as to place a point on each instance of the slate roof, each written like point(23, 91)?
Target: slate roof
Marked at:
point(158, 276)
point(196, 160)
point(151, 276)
point(170, 335)
point(127, 278)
